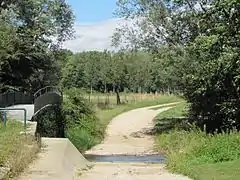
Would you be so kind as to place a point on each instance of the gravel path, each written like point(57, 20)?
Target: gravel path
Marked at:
point(126, 135)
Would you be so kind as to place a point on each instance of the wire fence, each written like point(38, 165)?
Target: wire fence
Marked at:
point(109, 98)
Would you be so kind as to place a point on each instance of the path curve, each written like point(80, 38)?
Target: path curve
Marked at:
point(125, 135)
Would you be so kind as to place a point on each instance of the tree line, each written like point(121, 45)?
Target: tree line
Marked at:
point(136, 71)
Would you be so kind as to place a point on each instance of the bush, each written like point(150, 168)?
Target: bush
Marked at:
point(194, 152)
point(75, 120)
point(194, 146)
point(51, 122)
point(212, 88)
point(185, 149)
point(82, 126)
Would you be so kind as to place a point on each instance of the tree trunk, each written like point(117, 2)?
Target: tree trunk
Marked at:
point(118, 96)
point(91, 89)
point(114, 88)
point(105, 87)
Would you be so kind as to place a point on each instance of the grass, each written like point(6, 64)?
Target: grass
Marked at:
point(219, 171)
point(110, 98)
point(193, 152)
point(16, 150)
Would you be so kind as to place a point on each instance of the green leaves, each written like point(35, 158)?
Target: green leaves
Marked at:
point(202, 54)
point(29, 29)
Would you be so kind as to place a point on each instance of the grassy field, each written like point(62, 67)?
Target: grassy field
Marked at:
point(110, 98)
point(192, 152)
point(16, 150)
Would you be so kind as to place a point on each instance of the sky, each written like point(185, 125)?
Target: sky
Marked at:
point(94, 26)
point(92, 11)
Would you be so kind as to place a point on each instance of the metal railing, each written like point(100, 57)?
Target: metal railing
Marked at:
point(14, 109)
point(46, 90)
point(13, 98)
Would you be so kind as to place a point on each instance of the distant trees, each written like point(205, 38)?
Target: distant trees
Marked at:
point(106, 71)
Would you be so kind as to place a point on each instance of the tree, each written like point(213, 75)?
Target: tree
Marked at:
point(73, 72)
point(105, 68)
point(136, 71)
point(157, 23)
point(212, 88)
point(92, 69)
point(206, 37)
point(35, 25)
point(118, 67)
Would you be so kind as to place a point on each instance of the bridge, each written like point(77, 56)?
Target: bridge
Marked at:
point(13, 101)
point(60, 159)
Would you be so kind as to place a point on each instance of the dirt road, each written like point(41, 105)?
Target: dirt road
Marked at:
point(126, 135)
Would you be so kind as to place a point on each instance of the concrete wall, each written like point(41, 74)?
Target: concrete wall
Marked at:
point(59, 160)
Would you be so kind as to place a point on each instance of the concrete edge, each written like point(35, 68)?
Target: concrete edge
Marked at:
point(71, 157)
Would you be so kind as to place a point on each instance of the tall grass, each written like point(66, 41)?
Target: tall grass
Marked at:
point(106, 100)
point(16, 150)
point(188, 150)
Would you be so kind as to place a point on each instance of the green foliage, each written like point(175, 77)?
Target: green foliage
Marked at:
point(189, 150)
point(17, 150)
point(201, 54)
point(82, 126)
point(7, 135)
point(51, 122)
point(212, 88)
point(27, 28)
point(123, 71)
point(220, 171)
point(81, 138)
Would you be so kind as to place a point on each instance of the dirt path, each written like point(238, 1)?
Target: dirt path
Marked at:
point(126, 135)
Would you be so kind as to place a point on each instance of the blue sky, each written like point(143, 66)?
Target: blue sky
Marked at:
point(92, 11)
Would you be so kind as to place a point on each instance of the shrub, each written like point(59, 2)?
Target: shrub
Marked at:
point(75, 120)
point(187, 148)
point(82, 126)
point(212, 88)
point(51, 122)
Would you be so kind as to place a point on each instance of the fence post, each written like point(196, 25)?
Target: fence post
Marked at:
point(14, 109)
point(25, 119)
point(4, 119)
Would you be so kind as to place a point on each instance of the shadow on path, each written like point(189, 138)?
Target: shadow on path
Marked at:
point(164, 125)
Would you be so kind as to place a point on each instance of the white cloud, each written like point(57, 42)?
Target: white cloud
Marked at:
point(93, 36)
